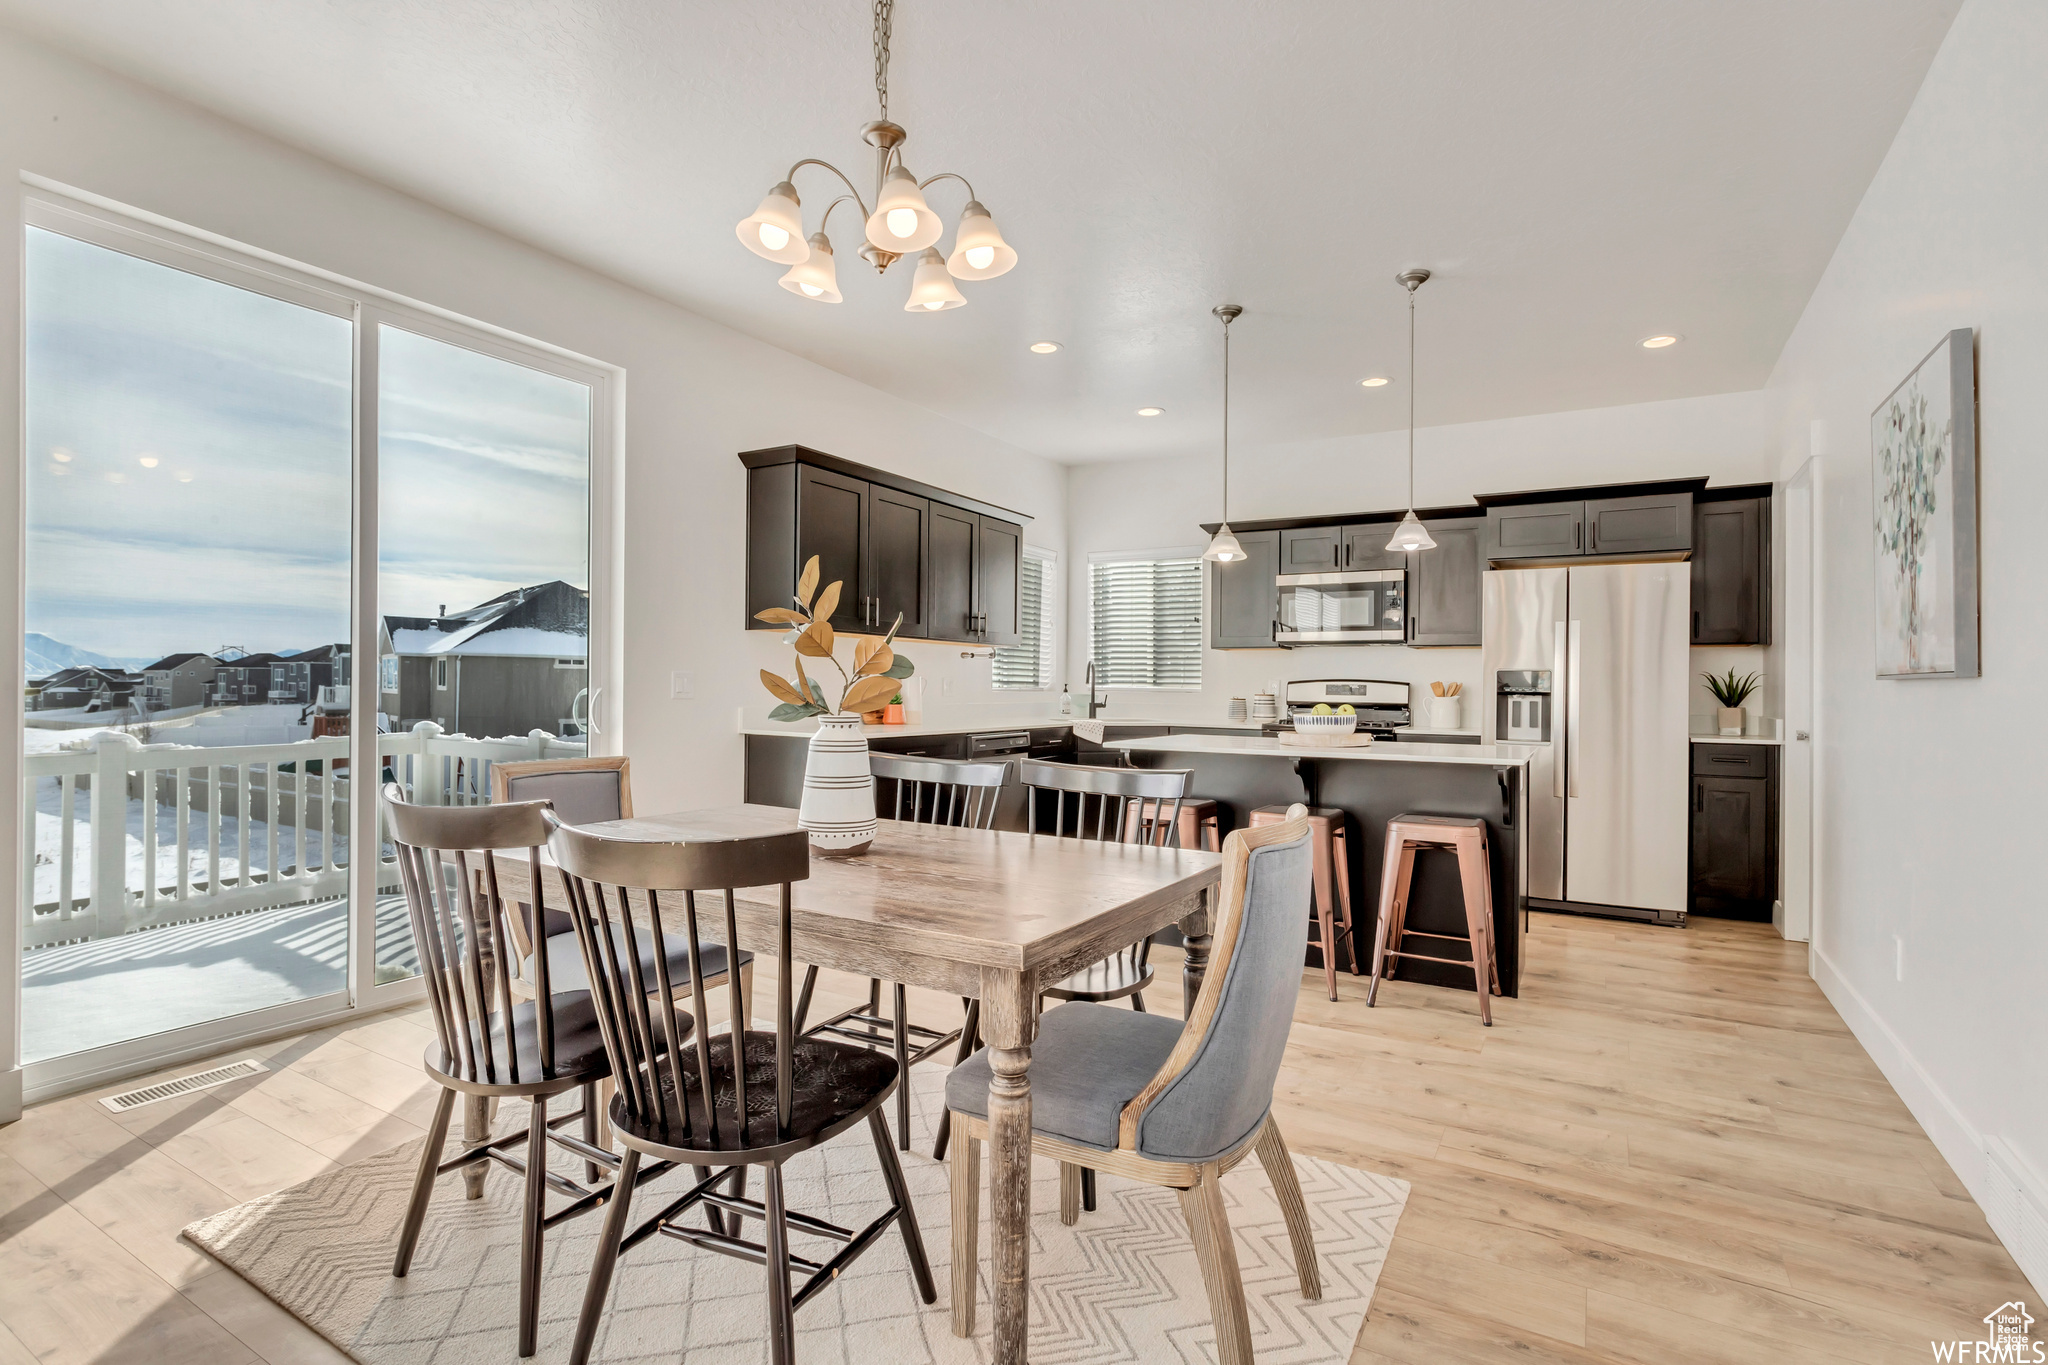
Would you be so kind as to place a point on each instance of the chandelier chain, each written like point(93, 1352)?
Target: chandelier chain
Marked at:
point(882, 27)
point(1411, 397)
point(1226, 421)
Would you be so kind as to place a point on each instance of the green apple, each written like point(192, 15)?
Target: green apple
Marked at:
point(1346, 710)
point(1322, 709)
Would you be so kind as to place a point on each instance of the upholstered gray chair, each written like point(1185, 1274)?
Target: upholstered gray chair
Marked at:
point(587, 791)
point(1167, 1103)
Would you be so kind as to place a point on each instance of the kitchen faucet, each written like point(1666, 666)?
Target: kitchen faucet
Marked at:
point(1094, 705)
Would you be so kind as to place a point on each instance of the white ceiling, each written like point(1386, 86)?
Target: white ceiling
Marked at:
point(1579, 173)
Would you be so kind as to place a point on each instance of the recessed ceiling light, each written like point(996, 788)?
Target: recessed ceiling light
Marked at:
point(1044, 347)
point(1150, 412)
point(1658, 343)
point(1377, 381)
point(147, 461)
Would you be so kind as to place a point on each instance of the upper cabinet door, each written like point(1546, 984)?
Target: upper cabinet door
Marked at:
point(1539, 531)
point(1312, 549)
point(899, 540)
point(999, 611)
point(831, 523)
point(1444, 585)
point(1243, 599)
point(1731, 573)
point(1365, 547)
point(949, 598)
point(1635, 526)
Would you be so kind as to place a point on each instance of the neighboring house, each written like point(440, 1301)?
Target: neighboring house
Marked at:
point(504, 667)
point(243, 682)
point(300, 677)
point(98, 689)
point(177, 680)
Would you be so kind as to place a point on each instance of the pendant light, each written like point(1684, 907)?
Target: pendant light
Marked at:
point(900, 223)
point(1223, 546)
point(1411, 535)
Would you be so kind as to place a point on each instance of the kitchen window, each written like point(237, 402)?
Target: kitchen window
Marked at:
point(1028, 664)
point(1145, 620)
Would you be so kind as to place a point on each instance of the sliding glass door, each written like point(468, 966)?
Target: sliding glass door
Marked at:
point(279, 531)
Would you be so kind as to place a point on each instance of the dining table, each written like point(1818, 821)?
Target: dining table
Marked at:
point(992, 914)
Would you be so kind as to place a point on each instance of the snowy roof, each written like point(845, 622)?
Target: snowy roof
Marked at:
point(549, 620)
point(171, 661)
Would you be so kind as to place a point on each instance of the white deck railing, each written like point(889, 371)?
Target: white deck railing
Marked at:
point(125, 835)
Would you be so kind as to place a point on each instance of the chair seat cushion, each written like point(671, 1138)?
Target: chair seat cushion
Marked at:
point(830, 1083)
point(1089, 1061)
point(565, 961)
point(579, 1045)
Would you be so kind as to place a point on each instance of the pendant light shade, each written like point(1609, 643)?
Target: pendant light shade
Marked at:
point(902, 222)
point(1411, 534)
point(931, 290)
point(814, 277)
point(1223, 547)
point(979, 251)
point(776, 229)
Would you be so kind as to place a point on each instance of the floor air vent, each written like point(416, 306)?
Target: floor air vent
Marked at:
point(183, 1085)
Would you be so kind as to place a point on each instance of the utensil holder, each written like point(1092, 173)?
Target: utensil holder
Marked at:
point(1445, 713)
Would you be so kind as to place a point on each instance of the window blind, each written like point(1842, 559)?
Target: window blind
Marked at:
point(1146, 622)
point(1028, 663)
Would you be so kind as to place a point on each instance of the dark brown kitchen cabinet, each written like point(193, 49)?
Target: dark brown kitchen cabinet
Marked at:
point(948, 563)
point(1734, 839)
point(1365, 547)
point(1312, 549)
point(1654, 524)
point(997, 581)
point(1242, 597)
point(1731, 572)
point(1444, 603)
point(1537, 531)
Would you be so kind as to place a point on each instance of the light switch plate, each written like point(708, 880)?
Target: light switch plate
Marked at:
point(681, 686)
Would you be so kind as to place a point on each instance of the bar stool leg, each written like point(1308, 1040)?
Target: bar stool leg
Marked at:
point(1341, 854)
point(1393, 889)
point(1320, 842)
point(1478, 922)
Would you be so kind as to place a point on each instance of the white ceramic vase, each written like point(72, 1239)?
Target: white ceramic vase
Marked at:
point(1446, 713)
point(838, 809)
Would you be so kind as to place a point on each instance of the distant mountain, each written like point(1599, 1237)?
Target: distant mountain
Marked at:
point(45, 656)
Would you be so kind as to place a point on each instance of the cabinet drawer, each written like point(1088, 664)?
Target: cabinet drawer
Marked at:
point(1732, 760)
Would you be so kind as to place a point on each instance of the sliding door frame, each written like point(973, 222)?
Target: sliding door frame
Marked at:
point(59, 208)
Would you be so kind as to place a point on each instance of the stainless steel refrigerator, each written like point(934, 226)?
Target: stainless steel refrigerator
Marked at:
point(1586, 669)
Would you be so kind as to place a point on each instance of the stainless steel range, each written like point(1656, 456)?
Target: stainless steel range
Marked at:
point(1381, 706)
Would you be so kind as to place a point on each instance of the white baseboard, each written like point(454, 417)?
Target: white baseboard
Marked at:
point(2009, 1189)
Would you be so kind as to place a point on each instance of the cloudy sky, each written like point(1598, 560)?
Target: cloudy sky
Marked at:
point(189, 464)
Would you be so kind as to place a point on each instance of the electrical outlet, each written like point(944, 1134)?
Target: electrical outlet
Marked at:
point(681, 687)
point(945, 687)
point(1899, 956)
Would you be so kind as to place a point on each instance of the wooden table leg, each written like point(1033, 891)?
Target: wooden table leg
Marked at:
point(1194, 929)
point(1009, 1021)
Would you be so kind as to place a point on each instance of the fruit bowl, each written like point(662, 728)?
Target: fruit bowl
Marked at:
point(1325, 725)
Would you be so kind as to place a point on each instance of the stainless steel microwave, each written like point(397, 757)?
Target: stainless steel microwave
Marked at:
point(1356, 606)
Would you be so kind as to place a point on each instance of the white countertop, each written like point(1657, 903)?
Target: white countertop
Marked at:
point(1402, 751)
point(995, 721)
point(1760, 730)
point(1735, 739)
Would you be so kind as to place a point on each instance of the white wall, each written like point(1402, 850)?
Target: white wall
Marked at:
point(1731, 438)
point(1931, 793)
point(696, 393)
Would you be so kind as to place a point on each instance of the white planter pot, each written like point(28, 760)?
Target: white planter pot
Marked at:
point(838, 809)
point(1733, 720)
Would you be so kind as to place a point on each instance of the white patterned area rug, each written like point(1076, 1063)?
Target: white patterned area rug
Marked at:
point(1123, 1285)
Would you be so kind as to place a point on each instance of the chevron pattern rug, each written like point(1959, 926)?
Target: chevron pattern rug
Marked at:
point(1123, 1285)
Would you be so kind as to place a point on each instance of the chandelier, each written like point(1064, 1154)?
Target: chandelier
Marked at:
point(898, 223)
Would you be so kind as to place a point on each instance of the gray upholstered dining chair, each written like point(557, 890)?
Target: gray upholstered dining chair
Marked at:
point(931, 791)
point(1166, 1103)
point(585, 791)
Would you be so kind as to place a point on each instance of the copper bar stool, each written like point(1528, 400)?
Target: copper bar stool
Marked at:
point(1198, 826)
point(1467, 838)
point(1332, 883)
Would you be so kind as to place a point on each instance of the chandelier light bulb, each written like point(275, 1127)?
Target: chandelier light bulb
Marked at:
point(814, 277)
point(902, 222)
point(979, 251)
point(931, 290)
point(775, 230)
point(1223, 547)
point(1410, 536)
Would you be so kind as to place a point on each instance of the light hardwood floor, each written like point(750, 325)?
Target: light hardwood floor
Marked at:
point(1670, 1150)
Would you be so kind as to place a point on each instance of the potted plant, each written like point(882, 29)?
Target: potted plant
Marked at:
point(838, 809)
point(1731, 692)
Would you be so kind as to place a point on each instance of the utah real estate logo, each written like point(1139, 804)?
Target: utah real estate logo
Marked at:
point(2007, 1333)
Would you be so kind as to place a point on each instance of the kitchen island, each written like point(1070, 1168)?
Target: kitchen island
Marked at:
point(1372, 785)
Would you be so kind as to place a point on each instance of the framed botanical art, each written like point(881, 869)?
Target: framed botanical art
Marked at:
point(1923, 467)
